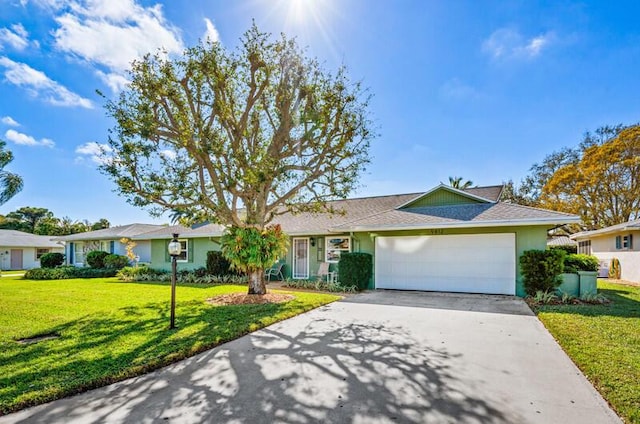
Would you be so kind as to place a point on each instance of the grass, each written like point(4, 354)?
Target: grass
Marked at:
point(111, 330)
point(604, 341)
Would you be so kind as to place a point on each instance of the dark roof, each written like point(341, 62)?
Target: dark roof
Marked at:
point(489, 192)
point(112, 233)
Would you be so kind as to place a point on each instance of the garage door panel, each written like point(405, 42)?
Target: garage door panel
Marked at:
point(464, 263)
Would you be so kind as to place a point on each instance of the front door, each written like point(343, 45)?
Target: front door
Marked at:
point(300, 258)
point(16, 258)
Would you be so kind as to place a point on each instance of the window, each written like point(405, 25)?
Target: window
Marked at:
point(584, 247)
point(624, 242)
point(335, 246)
point(40, 252)
point(184, 251)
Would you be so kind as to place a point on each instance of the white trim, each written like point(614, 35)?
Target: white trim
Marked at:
point(186, 251)
point(294, 261)
point(449, 188)
point(479, 224)
point(326, 246)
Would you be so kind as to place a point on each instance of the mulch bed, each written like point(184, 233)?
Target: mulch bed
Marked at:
point(249, 299)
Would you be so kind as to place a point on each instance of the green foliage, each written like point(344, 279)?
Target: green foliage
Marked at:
point(457, 182)
point(116, 262)
point(320, 285)
point(42, 221)
point(615, 270)
point(10, 184)
point(569, 249)
point(217, 264)
point(95, 258)
point(249, 249)
point(541, 270)
point(67, 272)
point(112, 331)
point(355, 269)
point(544, 297)
point(197, 276)
point(51, 260)
point(594, 298)
point(580, 262)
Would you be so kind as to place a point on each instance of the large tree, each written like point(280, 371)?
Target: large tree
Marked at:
point(457, 182)
point(238, 137)
point(27, 218)
point(10, 184)
point(603, 186)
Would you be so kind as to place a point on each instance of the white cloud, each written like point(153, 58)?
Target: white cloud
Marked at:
point(97, 152)
point(211, 34)
point(116, 82)
point(112, 34)
point(508, 43)
point(16, 37)
point(7, 120)
point(169, 154)
point(38, 84)
point(27, 140)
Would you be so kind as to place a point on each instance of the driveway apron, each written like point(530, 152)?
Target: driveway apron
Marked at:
point(377, 357)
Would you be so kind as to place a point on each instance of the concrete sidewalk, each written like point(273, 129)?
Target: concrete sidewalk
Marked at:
point(377, 357)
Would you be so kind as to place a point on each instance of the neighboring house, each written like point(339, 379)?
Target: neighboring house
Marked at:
point(561, 241)
point(621, 241)
point(20, 250)
point(442, 240)
point(107, 240)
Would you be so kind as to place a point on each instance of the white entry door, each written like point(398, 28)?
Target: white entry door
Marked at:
point(300, 258)
point(472, 263)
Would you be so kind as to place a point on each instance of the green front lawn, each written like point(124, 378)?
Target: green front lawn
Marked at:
point(604, 341)
point(111, 330)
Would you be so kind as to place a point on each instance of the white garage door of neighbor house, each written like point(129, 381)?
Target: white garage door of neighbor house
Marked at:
point(470, 263)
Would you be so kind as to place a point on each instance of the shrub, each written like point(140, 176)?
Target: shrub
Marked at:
point(51, 260)
point(197, 276)
point(614, 269)
point(580, 262)
point(541, 270)
point(355, 269)
point(66, 272)
point(129, 273)
point(320, 285)
point(567, 249)
point(95, 258)
point(116, 262)
point(217, 264)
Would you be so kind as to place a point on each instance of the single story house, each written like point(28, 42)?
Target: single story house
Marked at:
point(20, 250)
point(621, 241)
point(444, 239)
point(107, 240)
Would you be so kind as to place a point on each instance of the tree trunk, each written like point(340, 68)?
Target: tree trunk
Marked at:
point(256, 282)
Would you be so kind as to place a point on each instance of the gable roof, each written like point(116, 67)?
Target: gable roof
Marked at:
point(452, 196)
point(625, 226)
point(13, 238)
point(112, 233)
point(459, 216)
point(561, 241)
point(166, 232)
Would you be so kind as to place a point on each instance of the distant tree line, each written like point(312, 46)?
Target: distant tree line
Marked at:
point(599, 179)
point(42, 221)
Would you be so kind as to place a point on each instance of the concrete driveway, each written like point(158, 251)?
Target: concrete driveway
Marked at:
point(377, 357)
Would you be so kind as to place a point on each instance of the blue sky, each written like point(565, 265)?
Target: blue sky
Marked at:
point(464, 88)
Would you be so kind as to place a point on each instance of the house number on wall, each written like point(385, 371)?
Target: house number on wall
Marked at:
point(438, 232)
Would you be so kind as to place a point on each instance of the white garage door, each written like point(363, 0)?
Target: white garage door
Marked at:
point(471, 263)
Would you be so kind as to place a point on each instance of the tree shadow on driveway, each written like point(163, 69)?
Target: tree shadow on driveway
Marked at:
point(316, 372)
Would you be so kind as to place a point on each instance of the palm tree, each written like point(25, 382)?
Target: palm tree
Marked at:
point(10, 184)
point(456, 182)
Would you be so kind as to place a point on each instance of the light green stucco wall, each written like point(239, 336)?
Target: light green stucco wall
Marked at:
point(441, 197)
point(200, 247)
point(526, 238)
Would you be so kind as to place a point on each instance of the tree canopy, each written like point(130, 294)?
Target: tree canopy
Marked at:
point(457, 182)
point(42, 221)
point(237, 137)
point(10, 184)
